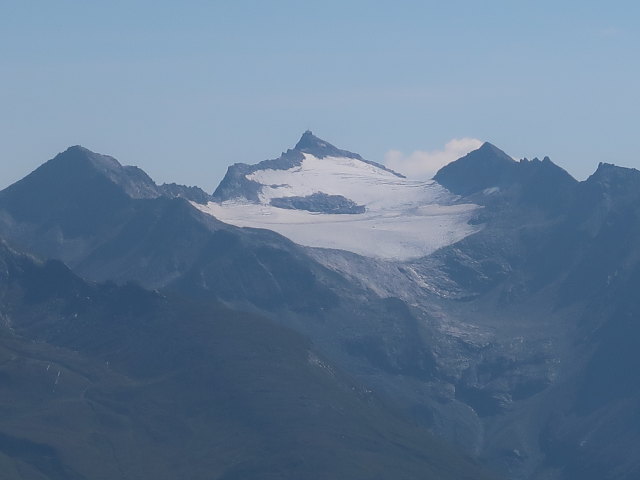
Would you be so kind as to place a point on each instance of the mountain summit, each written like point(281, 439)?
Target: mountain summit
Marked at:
point(79, 175)
point(486, 167)
point(488, 175)
point(236, 184)
point(321, 196)
point(313, 145)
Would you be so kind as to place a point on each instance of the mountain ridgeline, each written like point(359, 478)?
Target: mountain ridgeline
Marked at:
point(235, 183)
point(391, 328)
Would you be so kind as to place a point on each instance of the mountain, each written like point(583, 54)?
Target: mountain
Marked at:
point(100, 381)
point(320, 196)
point(103, 233)
point(167, 243)
point(237, 185)
point(76, 202)
point(555, 266)
point(495, 305)
point(488, 173)
point(485, 168)
point(516, 310)
point(79, 174)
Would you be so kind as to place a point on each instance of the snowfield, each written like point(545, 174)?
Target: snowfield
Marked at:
point(404, 219)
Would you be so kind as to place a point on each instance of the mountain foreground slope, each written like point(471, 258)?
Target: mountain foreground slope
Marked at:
point(101, 381)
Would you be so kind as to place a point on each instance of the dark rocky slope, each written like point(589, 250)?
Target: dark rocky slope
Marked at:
point(100, 381)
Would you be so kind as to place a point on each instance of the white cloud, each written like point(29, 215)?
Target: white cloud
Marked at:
point(424, 164)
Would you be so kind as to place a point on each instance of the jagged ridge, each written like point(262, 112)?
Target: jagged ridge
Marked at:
point(235, 183)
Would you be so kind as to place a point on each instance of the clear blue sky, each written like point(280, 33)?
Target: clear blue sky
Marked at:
point(183, 89)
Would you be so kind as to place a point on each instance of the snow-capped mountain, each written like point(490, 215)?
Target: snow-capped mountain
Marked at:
point(321, 196)
point(513, 343)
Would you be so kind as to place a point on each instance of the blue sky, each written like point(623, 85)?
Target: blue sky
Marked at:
point(184, 89)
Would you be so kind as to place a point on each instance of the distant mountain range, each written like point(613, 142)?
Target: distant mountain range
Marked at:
point(321, 316)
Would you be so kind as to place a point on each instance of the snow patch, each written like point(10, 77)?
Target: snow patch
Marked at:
point(403, 219)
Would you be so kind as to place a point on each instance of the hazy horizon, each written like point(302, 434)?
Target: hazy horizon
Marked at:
point(183, 92)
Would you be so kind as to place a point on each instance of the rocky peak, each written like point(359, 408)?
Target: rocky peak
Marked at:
point(317, 147)
point(486, 167)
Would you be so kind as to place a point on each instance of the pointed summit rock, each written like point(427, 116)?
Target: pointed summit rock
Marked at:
point(489, 149)
point(486, 167)
point(309, 140)
point(612, 182)
point(489, 169)
point(74, 189)
point(237, 183)
point(78, 189)
point(317, 147)
point(607, 173)
point(78, 168)
point(320, 148)
point(77, 155)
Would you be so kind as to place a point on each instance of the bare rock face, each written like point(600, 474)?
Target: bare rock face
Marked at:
point(319, 202)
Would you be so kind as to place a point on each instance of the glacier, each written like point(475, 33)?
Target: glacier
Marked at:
point(403, 219)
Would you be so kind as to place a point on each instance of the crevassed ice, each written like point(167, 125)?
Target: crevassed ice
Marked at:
point(404, 219)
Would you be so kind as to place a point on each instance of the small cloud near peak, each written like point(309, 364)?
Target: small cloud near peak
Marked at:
point(423, 164)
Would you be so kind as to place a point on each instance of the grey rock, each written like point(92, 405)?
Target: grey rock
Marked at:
point(321, 203)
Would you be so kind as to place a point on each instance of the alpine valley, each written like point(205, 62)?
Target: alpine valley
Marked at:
point(320, 316)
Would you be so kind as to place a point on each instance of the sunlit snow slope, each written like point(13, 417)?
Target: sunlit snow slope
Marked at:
point(402, 218)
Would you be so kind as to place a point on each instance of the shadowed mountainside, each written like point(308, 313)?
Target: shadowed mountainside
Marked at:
point(100, 381)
